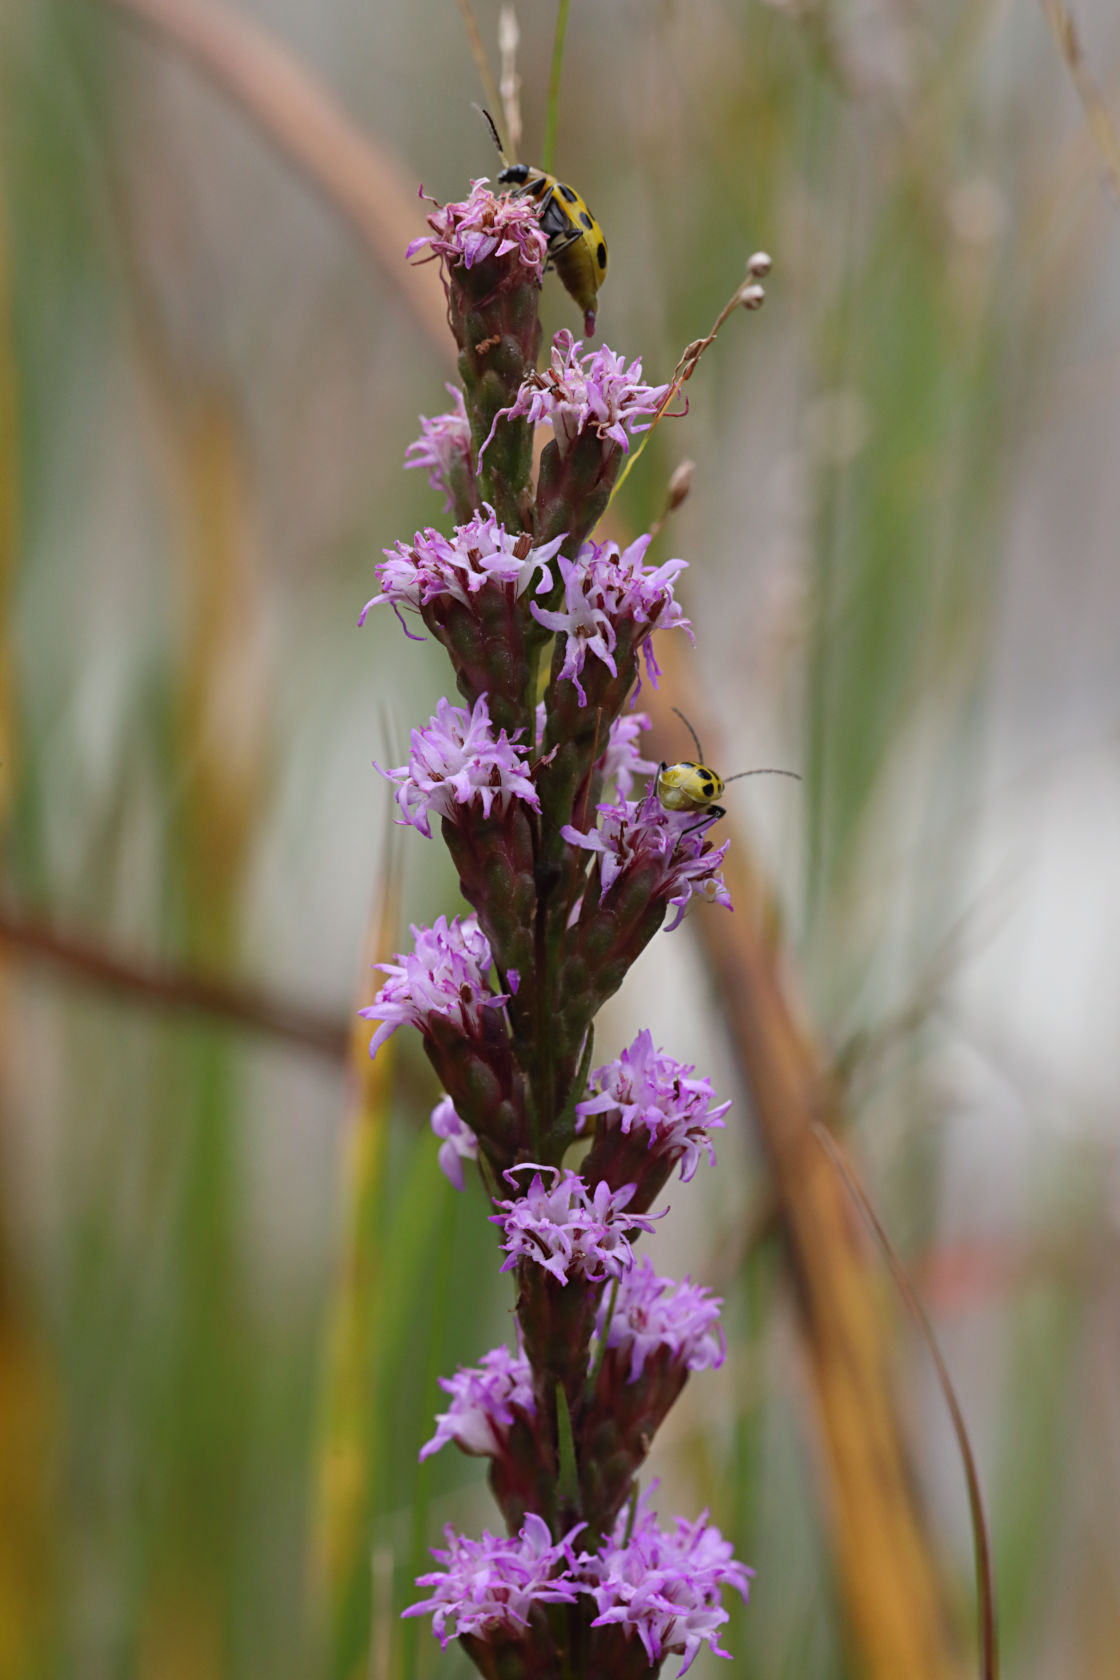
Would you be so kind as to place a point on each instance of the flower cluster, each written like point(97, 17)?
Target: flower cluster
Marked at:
point(570, 869)
point(482, 227)
point(593, 396)
point(606, 589)
point(444, 449)
point(444, 975)
point(457, 762)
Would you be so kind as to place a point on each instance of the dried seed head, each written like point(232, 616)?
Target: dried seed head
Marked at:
point(759, 265)
point(680, 484)
point(752, 297)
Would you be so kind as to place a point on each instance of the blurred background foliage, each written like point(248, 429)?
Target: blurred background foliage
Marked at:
point(229, 1270)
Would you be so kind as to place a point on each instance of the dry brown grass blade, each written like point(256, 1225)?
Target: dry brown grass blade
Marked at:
point(890, 1582)
point(985, 1580)
point(171, 988)
point(306, 124)
point(1101, 126)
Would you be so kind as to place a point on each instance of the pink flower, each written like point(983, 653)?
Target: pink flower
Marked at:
point(483, 1398)
point(651, 1094)
point(605, 587)
point(635, 834)
point(456, 762)
point(594, 393)
point(568, 1229)
point(459, 1142)
point(665, 1587)
point(478, 554)
point(651, 1313)
point(444, 443)
point(483, 226)
point(444, 975)
point(489, 1586)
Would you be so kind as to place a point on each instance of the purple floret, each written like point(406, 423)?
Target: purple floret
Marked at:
point(457, 761)
point(476, 555)
point(568, 1229)
point(458, 1142)
point(604, 587)
point(593, 393)
point(646, 1091)
point(444, 443)
point(482, 1401)
point(664, 1587)
point(481, 226)
point(489, 1586)
point(622, 762)
point(652, 1313)
point(444, 975)
point(639, 832)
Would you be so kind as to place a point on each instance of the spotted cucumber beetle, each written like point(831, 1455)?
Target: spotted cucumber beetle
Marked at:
point(691, 786)
point(576, 247)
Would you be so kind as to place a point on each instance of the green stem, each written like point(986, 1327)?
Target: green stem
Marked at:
point(548, 155)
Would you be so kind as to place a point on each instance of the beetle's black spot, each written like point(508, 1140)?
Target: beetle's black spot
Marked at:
point(566, 192)
point(585, 219)
point(601, 255)
point(708, 789)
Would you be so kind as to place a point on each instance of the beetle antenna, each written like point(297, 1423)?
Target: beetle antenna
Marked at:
point(483, 112)
point(740, 774)
point(692, 732)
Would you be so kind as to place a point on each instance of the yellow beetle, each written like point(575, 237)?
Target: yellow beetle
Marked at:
point(689, 785)
point(576, 247)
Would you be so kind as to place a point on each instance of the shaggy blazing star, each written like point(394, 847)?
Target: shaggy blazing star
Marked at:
point(457, 1142)
point(483, 1399)
point(444, 975)
point(605, 588)
point(457, 763)
point(566, 888)
point(663, 1587)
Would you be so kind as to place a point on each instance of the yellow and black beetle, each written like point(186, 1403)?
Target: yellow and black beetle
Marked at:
point(692, 786)
point(576, 247)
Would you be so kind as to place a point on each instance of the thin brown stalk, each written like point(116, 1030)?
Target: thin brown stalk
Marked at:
point(306, 124)
point(169, 988)
point(889, 1581)
point(1101, 126)
point(985, 1579)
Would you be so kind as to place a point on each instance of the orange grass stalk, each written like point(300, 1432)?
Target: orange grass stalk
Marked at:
point(889, 1578)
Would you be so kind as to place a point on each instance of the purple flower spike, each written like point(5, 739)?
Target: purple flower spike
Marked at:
point(567, 1229)
point(637, 834)
point(665, 1587)
point(653, 1313)
point(482, 1401)
point(488, 1587)
point(483, 226)
point(458, 1144)
point(476, 555)
point(444, 447)
point(649, 1093)
point(445, 975)
point(457, 761)
point(603, 588)
point(594, 393)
